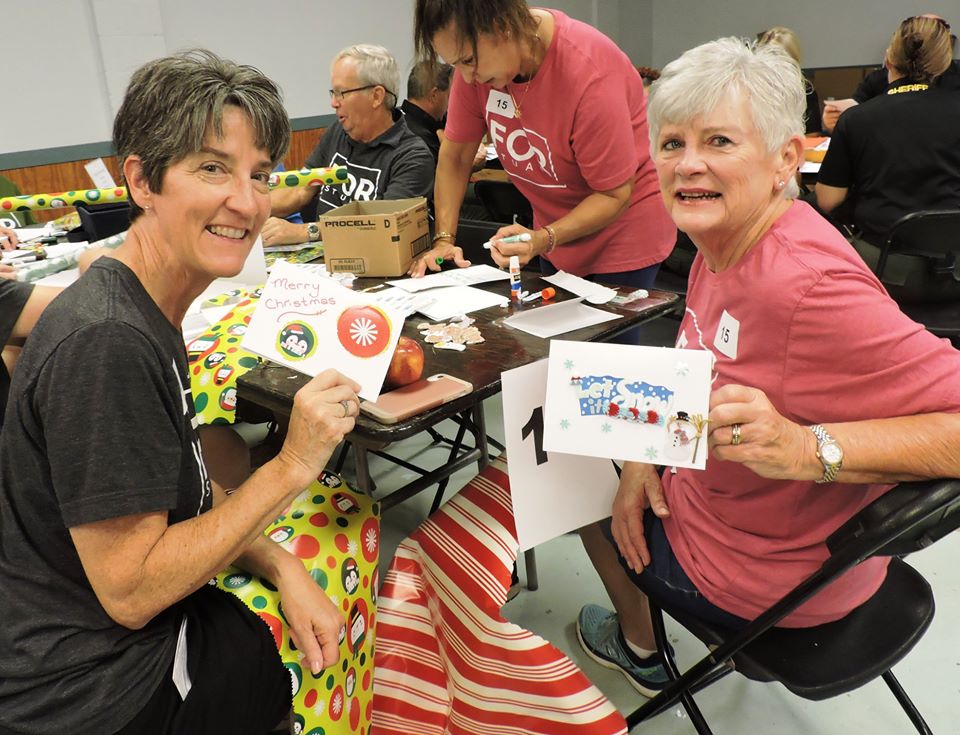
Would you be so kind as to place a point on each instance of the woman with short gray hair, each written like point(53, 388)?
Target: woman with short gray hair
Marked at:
point(824, 393)
point(112, 525)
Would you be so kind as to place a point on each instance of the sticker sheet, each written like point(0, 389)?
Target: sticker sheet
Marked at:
point(642, 404)
point(309, 323)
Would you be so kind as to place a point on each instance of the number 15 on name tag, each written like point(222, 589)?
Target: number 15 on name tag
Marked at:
point(500, 104)
point(553, 493)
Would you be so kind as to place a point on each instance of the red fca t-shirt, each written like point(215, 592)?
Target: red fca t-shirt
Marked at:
point(583, 129)
point(803, 319)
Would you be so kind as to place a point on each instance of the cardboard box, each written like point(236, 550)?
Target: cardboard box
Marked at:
point(379, 238)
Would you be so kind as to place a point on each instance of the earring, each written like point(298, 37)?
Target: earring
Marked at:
point(781, 184)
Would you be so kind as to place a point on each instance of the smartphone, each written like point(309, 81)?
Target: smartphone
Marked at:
point(415, 398)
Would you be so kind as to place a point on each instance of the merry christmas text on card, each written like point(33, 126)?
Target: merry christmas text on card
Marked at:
point(309, 323)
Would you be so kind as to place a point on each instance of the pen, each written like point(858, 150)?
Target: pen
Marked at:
point(547, 293)
point(522, 237)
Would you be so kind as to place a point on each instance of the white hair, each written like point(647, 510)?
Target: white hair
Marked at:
point(765, 77)
point(375, 65)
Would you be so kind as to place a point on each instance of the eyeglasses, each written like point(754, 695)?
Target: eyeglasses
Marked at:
point(339, 94)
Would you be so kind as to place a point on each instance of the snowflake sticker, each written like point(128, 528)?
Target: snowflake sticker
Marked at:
point(364, 331)
point(565, 424)
point(568, 364)
point(651, 453)
point(606, 428)
point(682, 369)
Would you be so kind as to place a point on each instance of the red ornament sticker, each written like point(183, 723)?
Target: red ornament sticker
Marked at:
point(364, 331)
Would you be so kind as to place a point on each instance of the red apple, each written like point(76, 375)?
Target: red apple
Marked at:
point(406, 365)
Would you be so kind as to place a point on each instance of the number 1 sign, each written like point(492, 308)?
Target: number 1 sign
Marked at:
point(552, 493)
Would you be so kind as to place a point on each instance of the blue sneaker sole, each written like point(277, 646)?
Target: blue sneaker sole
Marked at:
point(645, 690)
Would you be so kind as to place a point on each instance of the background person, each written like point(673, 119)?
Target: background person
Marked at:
point(790, 43)
point(565, 109)
point(888, 174)
point(425, 108)
point(877, 82)
point(111, 527)
point(824, 393)
point(384, 158)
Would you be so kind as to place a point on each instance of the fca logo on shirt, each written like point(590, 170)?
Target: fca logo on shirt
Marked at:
point(529, 151)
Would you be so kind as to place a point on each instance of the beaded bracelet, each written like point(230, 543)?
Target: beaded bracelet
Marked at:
point(443, 236)
point(551, 239)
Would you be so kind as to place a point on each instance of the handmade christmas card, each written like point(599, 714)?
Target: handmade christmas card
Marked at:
point(309, 323)
point(642, 404)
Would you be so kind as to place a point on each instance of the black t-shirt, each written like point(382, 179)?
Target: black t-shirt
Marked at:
point(101, 425)
point(897, 153)
point(875, 83)
point(396, 165)
point(423, 124)
point(13, 297)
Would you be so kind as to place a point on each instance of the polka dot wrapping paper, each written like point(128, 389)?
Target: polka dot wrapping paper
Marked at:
point(336, 532)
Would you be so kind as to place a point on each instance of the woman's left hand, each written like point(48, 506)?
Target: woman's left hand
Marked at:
point(769, 444)
point(526, 251)
point(315, 622)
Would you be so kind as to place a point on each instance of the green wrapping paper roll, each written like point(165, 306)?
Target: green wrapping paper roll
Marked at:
point(331, 176)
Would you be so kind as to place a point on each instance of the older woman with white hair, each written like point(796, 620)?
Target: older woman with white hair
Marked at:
point(824, 393)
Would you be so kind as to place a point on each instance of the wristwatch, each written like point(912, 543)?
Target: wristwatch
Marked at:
point(829, 452)
point(313, 231)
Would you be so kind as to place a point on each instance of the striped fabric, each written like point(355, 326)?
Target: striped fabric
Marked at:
point(447, 663)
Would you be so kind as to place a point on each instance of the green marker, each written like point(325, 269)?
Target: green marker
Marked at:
point(438, 260)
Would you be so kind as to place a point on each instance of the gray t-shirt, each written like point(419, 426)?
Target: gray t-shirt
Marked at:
point(101, 425)
point(13, 297)
point(395, 165)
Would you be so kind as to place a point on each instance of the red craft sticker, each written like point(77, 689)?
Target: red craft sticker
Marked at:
point(364, 331)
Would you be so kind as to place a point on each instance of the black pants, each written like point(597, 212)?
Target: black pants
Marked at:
point(240, 686)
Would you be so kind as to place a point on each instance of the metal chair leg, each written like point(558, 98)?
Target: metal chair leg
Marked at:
point(530, 565)
point(908, 706)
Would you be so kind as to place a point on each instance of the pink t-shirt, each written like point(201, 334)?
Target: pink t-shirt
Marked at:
point(583, 128)
point(803, 319)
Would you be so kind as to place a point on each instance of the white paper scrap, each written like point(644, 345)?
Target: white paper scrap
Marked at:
point(553, 319)
point(593, 293)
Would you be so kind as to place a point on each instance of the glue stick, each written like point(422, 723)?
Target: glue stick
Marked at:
point(515, 279)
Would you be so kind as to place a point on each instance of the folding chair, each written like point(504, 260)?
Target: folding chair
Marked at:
point(935, 235)
point(831, 659)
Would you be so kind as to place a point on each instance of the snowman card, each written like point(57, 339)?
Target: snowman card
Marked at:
point(309, 322)
point(641, 404)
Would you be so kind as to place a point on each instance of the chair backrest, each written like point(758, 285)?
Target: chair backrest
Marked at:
point(504, 201)
point(933, 233)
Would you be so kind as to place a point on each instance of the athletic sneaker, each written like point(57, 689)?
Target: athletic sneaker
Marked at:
point(600, 636)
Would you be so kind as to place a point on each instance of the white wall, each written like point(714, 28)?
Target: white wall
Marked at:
point(832, 32)
point(72, 84)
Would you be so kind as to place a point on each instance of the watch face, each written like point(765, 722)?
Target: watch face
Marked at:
point(831, 453)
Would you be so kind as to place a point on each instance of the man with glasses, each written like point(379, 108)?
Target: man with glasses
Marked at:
point(384, 158)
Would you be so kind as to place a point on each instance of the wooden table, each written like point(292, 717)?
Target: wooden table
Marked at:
point(271, 387)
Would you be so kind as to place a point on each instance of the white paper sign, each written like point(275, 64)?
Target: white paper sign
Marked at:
point(645, 404)
point(99, 174)
point(499, 103)
point(309, 322)
point(552, 493)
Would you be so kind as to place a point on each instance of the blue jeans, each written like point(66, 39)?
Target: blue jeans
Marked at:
point(665, 581)
point(640, 278)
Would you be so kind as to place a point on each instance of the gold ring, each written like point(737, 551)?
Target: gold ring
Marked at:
point(736, 435)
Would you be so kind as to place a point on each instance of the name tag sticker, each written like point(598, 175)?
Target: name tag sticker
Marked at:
point(499, 103)
point(728, 335)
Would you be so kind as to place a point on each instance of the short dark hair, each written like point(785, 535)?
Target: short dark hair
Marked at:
point(171, 104)
point(421, 81)
point(472, 18)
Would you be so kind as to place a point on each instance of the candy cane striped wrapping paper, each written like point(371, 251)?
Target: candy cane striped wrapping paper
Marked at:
point(447, 663)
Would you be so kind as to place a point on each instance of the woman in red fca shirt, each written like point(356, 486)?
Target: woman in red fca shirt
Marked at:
point(566, 111)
